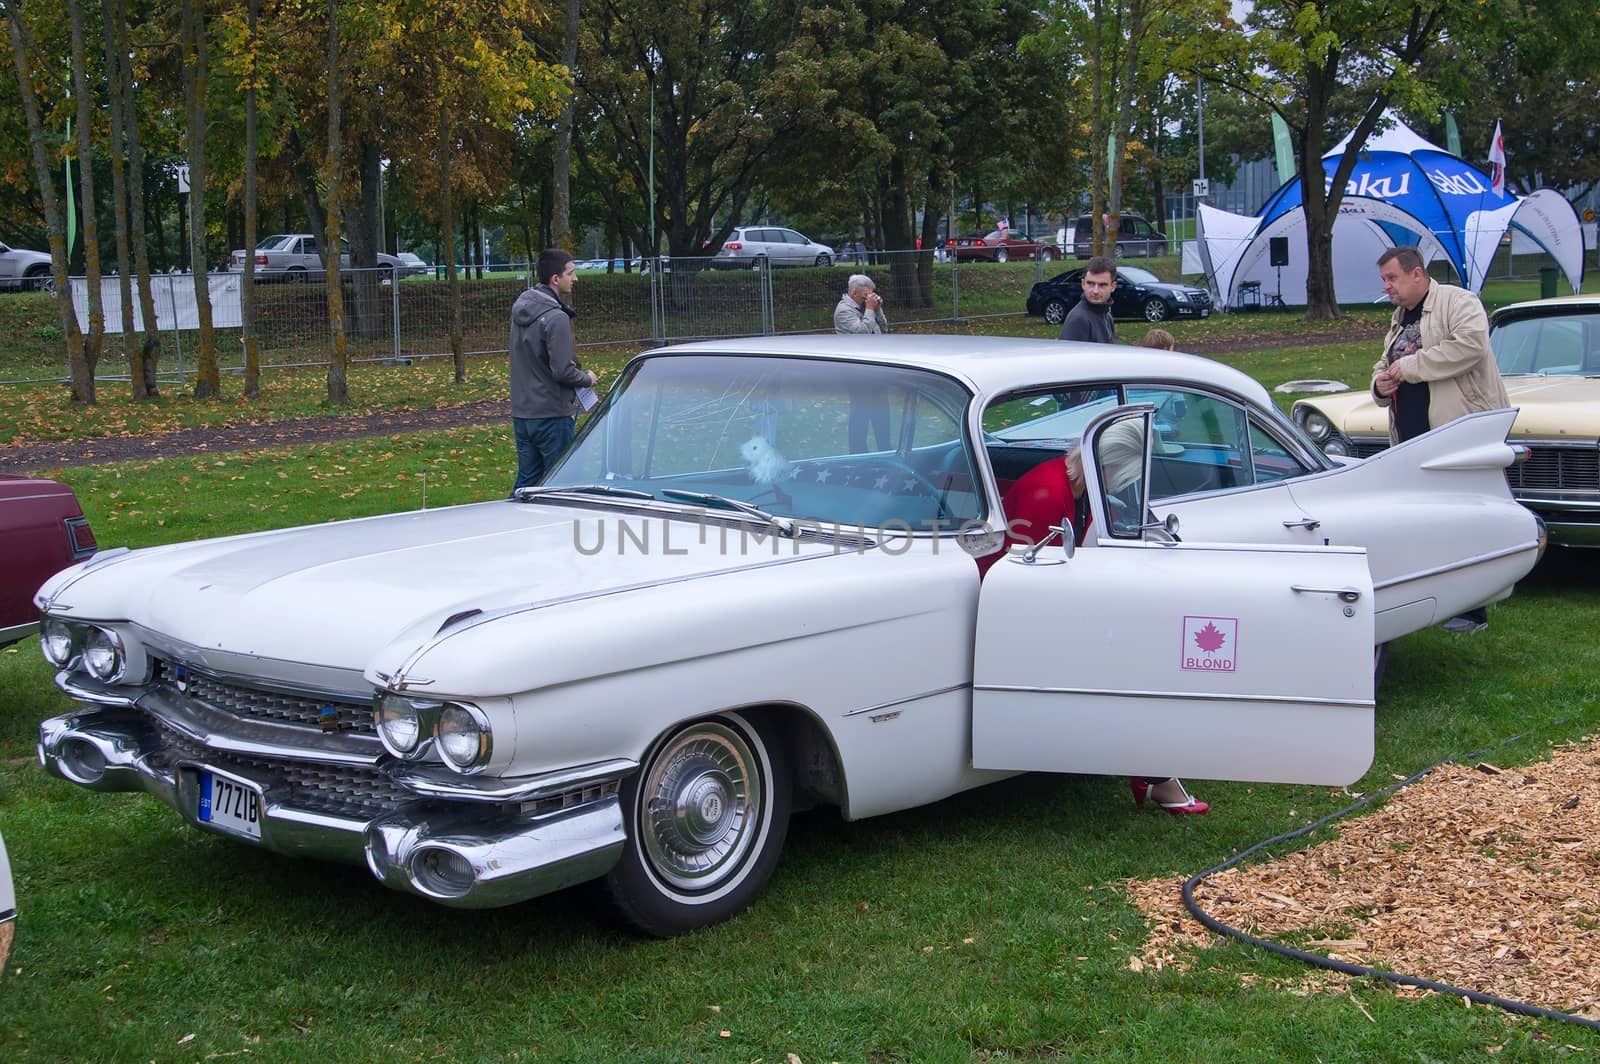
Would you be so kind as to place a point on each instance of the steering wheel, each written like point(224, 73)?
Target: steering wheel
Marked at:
point(929, 487)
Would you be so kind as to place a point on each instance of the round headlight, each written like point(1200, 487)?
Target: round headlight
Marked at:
point(1317, 426)
point(58, 641)
point(102, 654)
point(463, 737)
point(399, 723)
point(1337, 446)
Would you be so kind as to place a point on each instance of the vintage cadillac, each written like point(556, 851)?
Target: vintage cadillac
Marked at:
point(750, 586)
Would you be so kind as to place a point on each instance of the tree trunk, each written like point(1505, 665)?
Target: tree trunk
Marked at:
point(252, 343)
point(368, 310)
point(208, 380)
point(1097, 128)
point(332, 178)
point(447, 228)
point(561, 207)
point(22, 47)
point(86, 206)
point(111, 19)
point(148, 387)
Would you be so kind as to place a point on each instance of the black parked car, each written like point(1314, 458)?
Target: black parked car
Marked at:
point(1139, 294)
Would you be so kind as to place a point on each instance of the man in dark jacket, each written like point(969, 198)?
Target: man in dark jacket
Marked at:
point(1090, 319)
point(545, 374)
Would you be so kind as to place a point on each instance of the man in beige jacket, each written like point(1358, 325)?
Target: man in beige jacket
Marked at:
point(1437, 364)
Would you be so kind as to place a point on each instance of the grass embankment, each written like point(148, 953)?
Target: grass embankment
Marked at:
point(989, 927)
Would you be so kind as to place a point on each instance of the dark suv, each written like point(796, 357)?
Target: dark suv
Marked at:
point(1136, 238)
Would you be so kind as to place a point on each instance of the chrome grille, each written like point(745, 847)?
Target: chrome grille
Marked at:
point(345, 790)
point(250, 703)
point(1367, 450)
point(557, 802)
point(1556, 469)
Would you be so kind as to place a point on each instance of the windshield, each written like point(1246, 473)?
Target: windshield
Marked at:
point(1138, 276)
point(1549, 345)
point(840, 443)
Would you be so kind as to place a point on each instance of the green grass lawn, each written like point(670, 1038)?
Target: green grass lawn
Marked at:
point(989, 927)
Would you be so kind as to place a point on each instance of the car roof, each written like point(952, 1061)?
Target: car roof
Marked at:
point(992, 365)
point(1556, 304)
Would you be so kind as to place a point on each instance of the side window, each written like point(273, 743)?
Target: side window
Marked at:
point(793, 237)
point(1020, 431)
point(1269, 459)
point(1200, 443)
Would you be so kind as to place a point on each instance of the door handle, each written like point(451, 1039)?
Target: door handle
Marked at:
point(1307, 523)
point(1346, 594)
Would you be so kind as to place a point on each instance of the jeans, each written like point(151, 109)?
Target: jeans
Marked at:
point(540, 441)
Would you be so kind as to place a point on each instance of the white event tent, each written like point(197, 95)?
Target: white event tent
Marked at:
point(1403, 190)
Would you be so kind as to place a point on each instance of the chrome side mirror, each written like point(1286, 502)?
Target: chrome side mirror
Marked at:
point(1168, 524)
point(1069, 545)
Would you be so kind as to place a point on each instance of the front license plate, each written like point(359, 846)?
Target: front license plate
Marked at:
point(1205, 313)
point(231, 804)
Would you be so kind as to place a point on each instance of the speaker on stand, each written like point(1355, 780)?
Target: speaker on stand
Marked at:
point(1279, 246)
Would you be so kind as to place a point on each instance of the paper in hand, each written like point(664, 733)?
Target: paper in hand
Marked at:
point(587, 398)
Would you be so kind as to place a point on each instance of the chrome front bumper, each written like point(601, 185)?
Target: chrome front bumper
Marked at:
point(499, 853)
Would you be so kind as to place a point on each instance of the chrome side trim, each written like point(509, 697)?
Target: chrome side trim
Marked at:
point(1195, 696)
point(881, 706)
point(439, 782)
point(1465, 563)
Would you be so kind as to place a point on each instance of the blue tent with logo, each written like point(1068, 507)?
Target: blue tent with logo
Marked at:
point(1403, 190)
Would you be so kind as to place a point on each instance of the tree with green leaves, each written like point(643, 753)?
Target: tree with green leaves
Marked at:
point(1302, 59)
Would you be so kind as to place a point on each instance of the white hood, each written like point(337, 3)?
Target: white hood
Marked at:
point(331, 595)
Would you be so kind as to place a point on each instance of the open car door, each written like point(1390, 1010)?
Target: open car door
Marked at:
point(1141, 655)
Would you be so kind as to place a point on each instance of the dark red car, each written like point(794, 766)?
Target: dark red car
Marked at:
point(1001, 246)
point(42, 531)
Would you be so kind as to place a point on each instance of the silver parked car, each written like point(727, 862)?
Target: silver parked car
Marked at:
point(296, 257)
point(27, 271)
point(753, 245)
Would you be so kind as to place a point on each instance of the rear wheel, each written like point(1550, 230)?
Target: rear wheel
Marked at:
point(1048, 254)
point(705, 816)
point(296, 275)
point(1055, 312)
point(1155, 309)
point(1002, 255)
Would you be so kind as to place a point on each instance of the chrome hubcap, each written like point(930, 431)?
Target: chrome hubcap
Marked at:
point(701, 804)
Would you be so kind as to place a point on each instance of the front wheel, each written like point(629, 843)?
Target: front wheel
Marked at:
point(824, 260)
point(1155, 309)
point(1055, 312)
point(39, 279)
point(706, 816)
point(1048, 254)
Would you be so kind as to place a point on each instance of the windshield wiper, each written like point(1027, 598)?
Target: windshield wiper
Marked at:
point(528, 494)
point(782, 524)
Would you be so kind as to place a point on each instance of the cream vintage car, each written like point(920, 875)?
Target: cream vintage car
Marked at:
point(1549, 354)
point(750, 587)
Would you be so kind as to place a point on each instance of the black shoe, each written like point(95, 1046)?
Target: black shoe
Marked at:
point(1471, 621)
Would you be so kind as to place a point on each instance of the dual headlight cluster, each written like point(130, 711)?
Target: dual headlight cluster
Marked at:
point(98, 650)
point(1322, 432)
point(409, 727)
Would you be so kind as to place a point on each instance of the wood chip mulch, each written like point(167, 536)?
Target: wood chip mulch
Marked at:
point(1479, 877)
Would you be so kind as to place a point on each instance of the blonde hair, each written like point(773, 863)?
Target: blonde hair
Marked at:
point(1159, 338)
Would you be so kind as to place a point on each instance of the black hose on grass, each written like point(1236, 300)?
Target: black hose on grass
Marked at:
point(1316, 959)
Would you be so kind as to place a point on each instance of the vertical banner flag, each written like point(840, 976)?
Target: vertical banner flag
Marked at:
point(1452, 136)
point(1284, 148)
point(1497, 161)
point(1111, 157)
point(72, 208)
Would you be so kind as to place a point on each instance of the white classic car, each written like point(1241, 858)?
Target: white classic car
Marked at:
point(750, 586)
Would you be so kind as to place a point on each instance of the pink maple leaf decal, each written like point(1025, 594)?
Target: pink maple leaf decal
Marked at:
point(1209, 639)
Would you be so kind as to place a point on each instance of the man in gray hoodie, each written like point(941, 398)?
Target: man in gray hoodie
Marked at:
point(545, 374)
